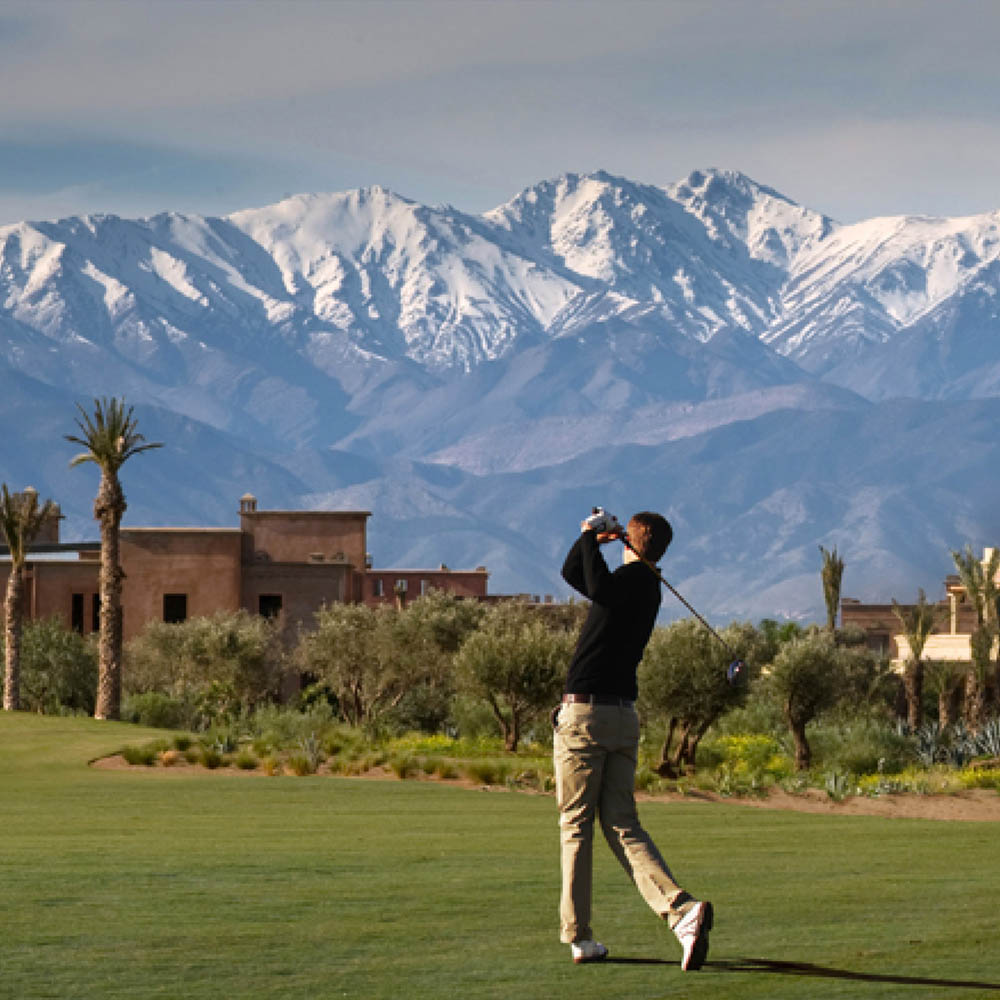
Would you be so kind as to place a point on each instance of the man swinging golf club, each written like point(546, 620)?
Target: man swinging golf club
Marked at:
point(597, 737)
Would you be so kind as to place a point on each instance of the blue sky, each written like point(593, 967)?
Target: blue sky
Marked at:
point(853, 108)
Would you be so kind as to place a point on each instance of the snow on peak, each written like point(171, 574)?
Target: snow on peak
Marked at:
point(715, 251)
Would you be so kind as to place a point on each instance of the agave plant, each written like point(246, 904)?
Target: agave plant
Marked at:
point(931, 745)
point(988, 738)
point(962, 746)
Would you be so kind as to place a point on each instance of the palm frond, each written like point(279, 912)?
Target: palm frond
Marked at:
point(917, 622)
point(109, 435)
point(21, 519)
point(831, 575)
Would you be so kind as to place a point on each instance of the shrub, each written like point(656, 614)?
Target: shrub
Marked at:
point(139, 755)
point(839, 785)
point(310, 747)
point(980, 777)
point(749, 763)
point(486, 772)
point(223, 740)
point(223, 664)
point(157, 710)
point(402, 765)
point(58, 669)
point(246, 761)
point(211, 758)
point(271, 766)
point(277, 725)
point(445, 769)
point(470, 717)
point(646, 779)
point(867, 748)
point(300, 765)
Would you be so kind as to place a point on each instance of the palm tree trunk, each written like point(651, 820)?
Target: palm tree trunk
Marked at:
point(13, 623)
point(946, 707)
point(109, 508)
point(913, 682)
point(974, 702)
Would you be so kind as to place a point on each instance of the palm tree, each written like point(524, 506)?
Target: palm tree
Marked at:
point(110, 438)
point(979, 579)
point(944, 678)
point(832, 572)
point(918, 622)
point(21, 518)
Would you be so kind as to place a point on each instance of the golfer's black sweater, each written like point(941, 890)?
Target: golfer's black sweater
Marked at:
point(621, 618)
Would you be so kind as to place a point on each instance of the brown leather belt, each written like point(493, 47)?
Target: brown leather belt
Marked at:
point(597, 699)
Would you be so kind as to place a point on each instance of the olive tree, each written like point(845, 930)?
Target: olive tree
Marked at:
point(682, 681)
point(516, 662)
point(806, 677)
point(222, 664)
point(58, 668)
point(351, 651)
point(425, 635)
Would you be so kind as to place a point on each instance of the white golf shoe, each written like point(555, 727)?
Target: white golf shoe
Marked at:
point(692, 932)
point(588, 951)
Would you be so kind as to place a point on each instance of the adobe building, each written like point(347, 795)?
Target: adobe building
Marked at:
point(949, 640)
point(276, 562)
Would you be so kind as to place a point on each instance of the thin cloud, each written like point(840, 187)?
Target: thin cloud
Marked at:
point(853, 106)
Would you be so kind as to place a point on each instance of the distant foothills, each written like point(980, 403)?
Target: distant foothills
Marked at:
point(768, 378)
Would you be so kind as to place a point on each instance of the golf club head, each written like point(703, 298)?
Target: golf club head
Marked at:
point(736, 672)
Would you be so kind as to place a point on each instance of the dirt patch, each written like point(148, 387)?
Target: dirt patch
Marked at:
point(977, 805)
point(972, 806)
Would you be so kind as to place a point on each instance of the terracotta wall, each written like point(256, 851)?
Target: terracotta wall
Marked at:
point(50, 586)
point(203, 563)
point(304, 536)
point(302, 588)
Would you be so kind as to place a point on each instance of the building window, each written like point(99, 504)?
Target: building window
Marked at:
point(269, 605)
point(425, 585)
point(400, 587)
point(175, 608)
point(95, 614)
point(379, 587)
point(76, 613)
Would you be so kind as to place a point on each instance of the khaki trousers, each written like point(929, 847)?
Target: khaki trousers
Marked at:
point(594, 752)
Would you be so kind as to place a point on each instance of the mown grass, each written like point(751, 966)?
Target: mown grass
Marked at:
point(155, 882)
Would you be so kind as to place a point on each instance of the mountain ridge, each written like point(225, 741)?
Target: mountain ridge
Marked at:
point(478, 380)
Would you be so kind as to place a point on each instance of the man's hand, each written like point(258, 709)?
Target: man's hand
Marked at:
point(602, 536)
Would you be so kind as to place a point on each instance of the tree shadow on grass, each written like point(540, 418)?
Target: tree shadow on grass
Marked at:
point(809, 970)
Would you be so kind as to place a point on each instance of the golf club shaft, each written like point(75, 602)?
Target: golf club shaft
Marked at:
point(676, 594)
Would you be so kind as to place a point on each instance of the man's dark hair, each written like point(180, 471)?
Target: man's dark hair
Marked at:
point(649, 534)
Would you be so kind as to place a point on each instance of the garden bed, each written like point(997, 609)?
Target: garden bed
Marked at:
point(967, 805)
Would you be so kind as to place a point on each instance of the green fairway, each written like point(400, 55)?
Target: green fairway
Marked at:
point(156, 883)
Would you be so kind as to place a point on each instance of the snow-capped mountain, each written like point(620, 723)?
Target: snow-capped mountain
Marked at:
point(771, 379)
